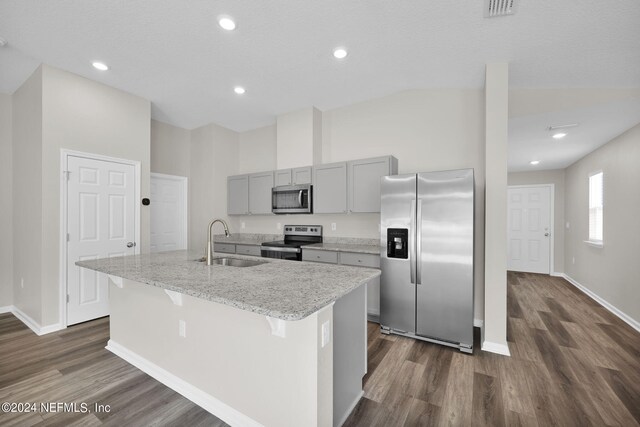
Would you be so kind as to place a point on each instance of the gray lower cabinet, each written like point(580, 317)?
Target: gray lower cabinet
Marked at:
point(319, 256)
point(353, 259)
point(364, 182)
point(330, 188)
point(228, 248)
point(238, 195)
point(248, 250)
point(260, 185)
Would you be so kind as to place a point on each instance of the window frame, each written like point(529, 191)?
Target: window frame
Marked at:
point(591, 240)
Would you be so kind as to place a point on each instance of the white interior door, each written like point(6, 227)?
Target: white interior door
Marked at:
point(168, 212)
point(100, 224)
point(529, 229)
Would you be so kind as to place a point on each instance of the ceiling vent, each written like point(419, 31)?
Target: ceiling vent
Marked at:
point(494, 8)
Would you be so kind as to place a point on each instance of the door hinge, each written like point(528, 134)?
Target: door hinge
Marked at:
point(68, 238)
point(67, 298)
point(66, 174)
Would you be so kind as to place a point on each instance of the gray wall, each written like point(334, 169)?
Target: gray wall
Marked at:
point(613, 271)
point(555, 177)
point(52, 110)
point(6, 210)
point(27, 198)
point(170, 149)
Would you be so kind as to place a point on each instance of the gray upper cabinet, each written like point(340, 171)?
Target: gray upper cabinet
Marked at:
point(238, 195)
point(364, 182)
point(260, 185)
point(330, 188)
point(295, 176)
point(301, 175)
point(283, 177)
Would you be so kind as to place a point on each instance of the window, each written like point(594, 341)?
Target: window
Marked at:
point(596, 190)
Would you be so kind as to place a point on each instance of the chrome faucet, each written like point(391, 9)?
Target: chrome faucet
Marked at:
point(209, 240)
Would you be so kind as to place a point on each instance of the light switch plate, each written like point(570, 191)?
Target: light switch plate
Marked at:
point(279, 226)
point(182, 328)
point(326, 333)
point(242, 225)
point(333, 226)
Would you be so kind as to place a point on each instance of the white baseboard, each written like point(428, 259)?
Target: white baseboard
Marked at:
point(32, 324)
point(478, 323)
point(494, 347)
point(623, 316)
point(350, 409)
point(194, 394)
point(557, 274)
point(6, 309)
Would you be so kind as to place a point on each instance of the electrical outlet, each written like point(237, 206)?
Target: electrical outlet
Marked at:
point(279, 226)
point(22, 282)
point(326, 333)
point(573, 260)
point(333, 226)
point(182, 328)
point(568, 225)
point(242, 225)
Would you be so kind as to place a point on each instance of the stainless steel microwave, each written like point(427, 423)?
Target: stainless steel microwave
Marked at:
point(292, 199)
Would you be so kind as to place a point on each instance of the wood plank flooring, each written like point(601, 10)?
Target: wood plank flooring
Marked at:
point(73, 366)
point(573, 364)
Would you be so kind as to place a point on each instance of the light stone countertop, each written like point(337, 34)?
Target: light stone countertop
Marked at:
point(246, 238)
point(345, 247)
point(287, 290)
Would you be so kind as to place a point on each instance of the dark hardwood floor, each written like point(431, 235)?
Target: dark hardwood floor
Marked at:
point(73, 366)
point(573, 364)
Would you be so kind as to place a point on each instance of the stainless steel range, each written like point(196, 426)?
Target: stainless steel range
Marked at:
point(295, 236)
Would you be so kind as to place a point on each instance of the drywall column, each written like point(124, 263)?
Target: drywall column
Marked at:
point(299, 138)
point(494, 336)
point(6, 212)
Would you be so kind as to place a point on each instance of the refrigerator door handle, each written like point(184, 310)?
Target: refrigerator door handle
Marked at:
point(419, 244)
point(412, 244)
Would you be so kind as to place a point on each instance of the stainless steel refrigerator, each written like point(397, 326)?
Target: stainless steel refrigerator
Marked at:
point(426, 257)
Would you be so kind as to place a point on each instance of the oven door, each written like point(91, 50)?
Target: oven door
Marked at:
point(281, 252)
point(291, 199)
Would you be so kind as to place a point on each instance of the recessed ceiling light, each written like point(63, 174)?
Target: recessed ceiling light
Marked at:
point(340, 53)
point(100, 66)
point(559, 135)
point(534, 162)
point(227, 23)
point(239, 90)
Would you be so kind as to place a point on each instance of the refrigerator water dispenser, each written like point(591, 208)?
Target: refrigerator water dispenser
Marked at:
point(398, 243)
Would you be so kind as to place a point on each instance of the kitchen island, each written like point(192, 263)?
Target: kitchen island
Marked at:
point(279, 343)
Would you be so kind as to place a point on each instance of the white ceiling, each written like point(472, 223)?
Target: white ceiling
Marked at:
point(173, 53)
point(530, 139)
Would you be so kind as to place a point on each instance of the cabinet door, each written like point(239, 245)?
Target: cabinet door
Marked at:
point(364, 182)
point(330, 188)
point(238, 195)
point(301, 175)
point(260, 185)
point(283, 177)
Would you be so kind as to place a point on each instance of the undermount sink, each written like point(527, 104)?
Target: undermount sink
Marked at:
point(233, 262)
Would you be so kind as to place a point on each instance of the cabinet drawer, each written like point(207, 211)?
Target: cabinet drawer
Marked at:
point(319, 256)
point(248, 250)
point(361, 260)
point(224, 247)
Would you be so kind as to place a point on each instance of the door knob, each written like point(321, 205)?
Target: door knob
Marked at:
point(546, 234)
point(131, 244)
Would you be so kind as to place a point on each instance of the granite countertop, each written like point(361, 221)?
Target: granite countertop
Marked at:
point(287, 290)
point(345, 247)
